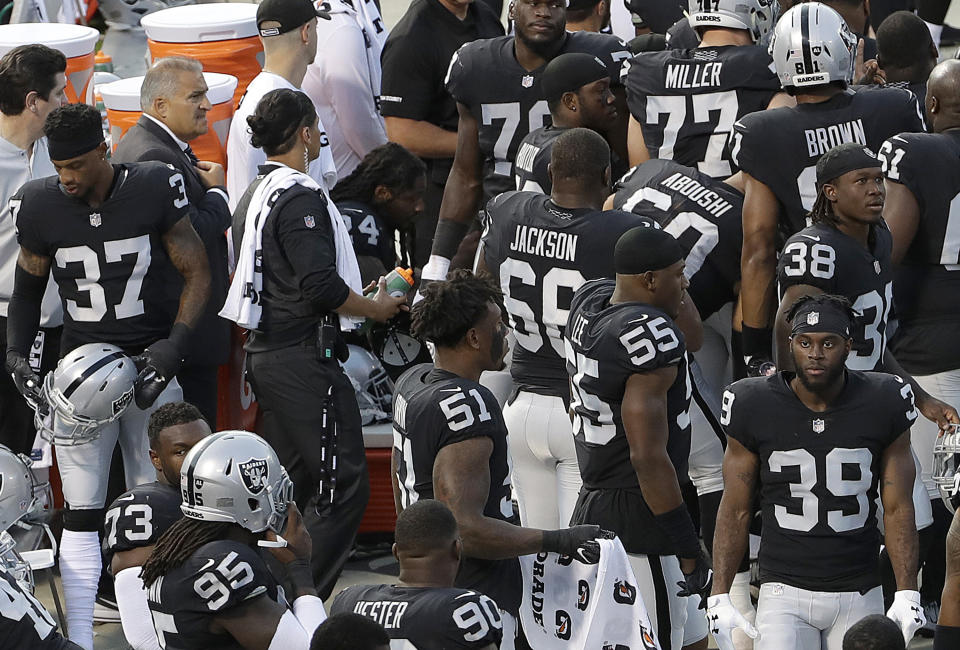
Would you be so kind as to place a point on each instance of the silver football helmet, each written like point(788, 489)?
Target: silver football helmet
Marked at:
point(15, 565)
point(372, 384)
point(756, 16)
point(127, 13)
point(812, 46)
point(946, 467)
point(90, 387)
point(235, 476)
point(19, 491)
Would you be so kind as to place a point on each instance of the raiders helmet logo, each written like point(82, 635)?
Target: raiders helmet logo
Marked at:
point(563, 625)
point(624, 592)
point(583, 595)
point(120, 404)
point(254, 474)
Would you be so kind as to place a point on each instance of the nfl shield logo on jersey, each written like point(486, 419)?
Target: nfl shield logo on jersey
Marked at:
point(527, 81)
point(254, 473)
point(309, 221)
point(95, 219)
point(819, 425)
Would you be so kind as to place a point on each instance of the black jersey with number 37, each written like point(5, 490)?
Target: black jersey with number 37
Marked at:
point(138, 517)
point(109, 261)
point(24, 623)
point(426, 618)
point(819, 474)
point(432, 409)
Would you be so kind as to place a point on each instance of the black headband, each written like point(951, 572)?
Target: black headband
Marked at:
point(645, 248)
point(76, 146)
point(821, 318)
point(842, 159)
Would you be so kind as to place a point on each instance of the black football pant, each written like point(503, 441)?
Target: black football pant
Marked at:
point(16, 417)
point(294, 390)
point(199, 384)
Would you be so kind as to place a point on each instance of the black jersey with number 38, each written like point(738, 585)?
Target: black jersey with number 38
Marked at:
point(433, 408)
point(108, 261)
point(24, 623)
point(821, 256)
point(819, 474)
point(138, 517)
point(426, 618)
point(702, 213)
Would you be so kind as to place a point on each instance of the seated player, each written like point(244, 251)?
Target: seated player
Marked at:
point(137, 519)
point(874, 632)
point(347, 631)
point(424, 609)
point(207, 585)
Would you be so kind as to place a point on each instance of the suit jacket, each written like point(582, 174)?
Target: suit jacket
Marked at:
point(210, 215)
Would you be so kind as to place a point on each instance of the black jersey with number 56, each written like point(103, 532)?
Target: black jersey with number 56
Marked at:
point(108, 262)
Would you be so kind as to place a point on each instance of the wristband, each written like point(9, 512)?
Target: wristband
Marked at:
point(447, 238)
point(678, 526)
point(757, 341)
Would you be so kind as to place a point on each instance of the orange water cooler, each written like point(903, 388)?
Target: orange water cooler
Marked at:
point(76, 42)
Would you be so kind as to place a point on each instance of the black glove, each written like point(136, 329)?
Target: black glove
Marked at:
point(158, 364)
point(25, 379)
point(579, 542)
point(698, 582)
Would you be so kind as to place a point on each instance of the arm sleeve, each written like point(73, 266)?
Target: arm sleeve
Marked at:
point(311, 251)
point(409, 79)
point(134, 611)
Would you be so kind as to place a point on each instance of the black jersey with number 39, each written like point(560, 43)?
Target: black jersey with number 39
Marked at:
point(702, 213)
point(821, 256)
point(108, 261)
point(24, 623)
point(505, 99)
point(543, 254)
point(928, 277)
point(686, 101)
point(819, 474)
point(426, 618)
point(140, 516)
point(434, 408)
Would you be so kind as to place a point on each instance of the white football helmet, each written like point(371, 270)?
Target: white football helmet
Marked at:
point(946, 467)
point(90, 387)
point(812, 46)
point(372, 384)
point(127, 13)
point(235, 476)
point(756, 16)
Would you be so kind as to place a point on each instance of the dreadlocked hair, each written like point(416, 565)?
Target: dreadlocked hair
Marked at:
point(822, 211)
point(390, 165)
point(450, 308)
point(176, 546)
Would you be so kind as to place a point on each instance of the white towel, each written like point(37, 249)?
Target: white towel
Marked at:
point(242, 305)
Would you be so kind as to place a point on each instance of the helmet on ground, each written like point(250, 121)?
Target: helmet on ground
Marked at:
point(90, 387)
point(235, 476)
point(756, 16)
point(812, 46)
point(372, 384)
point(946, 467)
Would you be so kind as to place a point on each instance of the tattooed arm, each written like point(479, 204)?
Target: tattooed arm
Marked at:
point(897, 473)
point(187, 254)
point(741, 469)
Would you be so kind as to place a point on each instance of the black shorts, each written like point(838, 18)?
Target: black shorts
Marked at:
point(623, 511)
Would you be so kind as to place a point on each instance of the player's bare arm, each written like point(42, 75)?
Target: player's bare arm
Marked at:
point(688, 320)
point(189, 257)
point(252, 624)
point(950, 600)
point(461, 479)
point(741, 469)
point(34, 264)
point(929, 406)
point(423, 138)
point(902, 214)
point(636, 146)
point(758, 265)
point(897, 475)
point(127, 559)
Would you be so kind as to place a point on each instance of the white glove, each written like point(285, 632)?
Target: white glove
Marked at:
point(723, 618)
point(907, 612)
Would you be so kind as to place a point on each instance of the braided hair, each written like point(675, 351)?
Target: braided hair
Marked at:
point(392, 166)
point(822, 211)
point(176, 546)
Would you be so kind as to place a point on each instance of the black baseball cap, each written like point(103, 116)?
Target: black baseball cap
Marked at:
point(570, 72)
point(291, 14)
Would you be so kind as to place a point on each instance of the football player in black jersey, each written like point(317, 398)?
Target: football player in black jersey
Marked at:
point(777, 150)
point(208, 587)
point(105, 232)
point(905, 54)
point(577, 89)
point(24, 622)
point(424, 608)
point(450, 442)
point(382, 196)
point(630, 400)
point(541, 249)
point(137, 519)
point(842, 437)
point(683, 103)
point(496, 83)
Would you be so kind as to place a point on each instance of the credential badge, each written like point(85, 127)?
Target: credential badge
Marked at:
point(95, 219)
point(819, 425)
point(813, 318)
point(527, 80)
point(254, 474)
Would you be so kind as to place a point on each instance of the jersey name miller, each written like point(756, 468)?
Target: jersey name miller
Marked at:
point(823, 139)
point(545, 243)
point(702, 75)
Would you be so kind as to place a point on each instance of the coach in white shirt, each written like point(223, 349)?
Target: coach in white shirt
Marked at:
point(288, 29)
point(32, 84)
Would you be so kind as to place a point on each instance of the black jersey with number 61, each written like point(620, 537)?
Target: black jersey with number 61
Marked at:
point(819, 474)
point(108, 262)
point(704, 214)
point(138, 517)
point(432, 409)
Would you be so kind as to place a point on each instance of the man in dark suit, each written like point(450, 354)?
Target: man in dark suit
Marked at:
point(174, 101)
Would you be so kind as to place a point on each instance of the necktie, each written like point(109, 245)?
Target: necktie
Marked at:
point(192, 156)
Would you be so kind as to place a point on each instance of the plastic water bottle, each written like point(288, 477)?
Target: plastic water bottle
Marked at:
point(399, 283)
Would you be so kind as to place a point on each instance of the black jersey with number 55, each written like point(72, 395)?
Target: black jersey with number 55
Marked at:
point(138, 517)
point(108, 262)
point(819, 474)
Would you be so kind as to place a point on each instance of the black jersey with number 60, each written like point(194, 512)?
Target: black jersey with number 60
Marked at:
point(928, 278)
point(505, 99)
point(704, 215)
point(781, 147)
point(426, 618)
point(819, 474)
point(140, 516)
point(686, 101)
point(109, 261)
point(24, 623)
point(433, 408)
point(543, 253)
point(821, 256)
point(219, 576)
